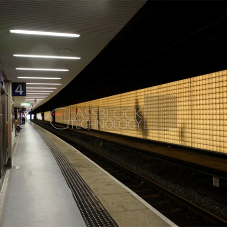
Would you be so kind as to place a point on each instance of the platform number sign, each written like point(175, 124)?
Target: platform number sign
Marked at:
point(18, 89)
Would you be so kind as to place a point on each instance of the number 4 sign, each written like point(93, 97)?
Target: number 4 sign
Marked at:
point(18, 89)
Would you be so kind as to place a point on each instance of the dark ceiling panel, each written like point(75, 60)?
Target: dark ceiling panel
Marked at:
point(164, 42)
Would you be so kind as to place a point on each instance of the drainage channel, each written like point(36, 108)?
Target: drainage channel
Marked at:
point(92, 210)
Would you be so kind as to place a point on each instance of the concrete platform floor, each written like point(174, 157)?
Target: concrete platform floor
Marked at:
point(126, 208)
point(38, 195)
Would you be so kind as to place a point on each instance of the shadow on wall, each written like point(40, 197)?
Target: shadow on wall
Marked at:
point(98, 118)
point(140, 120)
point(182, 133)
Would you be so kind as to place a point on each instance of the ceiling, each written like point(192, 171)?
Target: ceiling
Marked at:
point(165, 41)
point(97, 23)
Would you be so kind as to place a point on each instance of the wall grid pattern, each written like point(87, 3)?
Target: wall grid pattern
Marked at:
point(190, 112)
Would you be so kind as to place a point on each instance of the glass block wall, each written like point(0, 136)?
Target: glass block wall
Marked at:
point(39, 116)
point(47, 116)
point(190, 112)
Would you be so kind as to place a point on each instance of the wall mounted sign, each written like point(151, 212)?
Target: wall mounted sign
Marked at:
point(18, 89)
point(25, 104)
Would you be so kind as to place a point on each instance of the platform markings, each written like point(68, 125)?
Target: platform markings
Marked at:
point(170, 223)
point(134, 194)
point(92, 210)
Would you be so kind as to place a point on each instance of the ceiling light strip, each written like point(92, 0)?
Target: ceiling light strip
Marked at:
point(36, 93)
point(39, 78)
point(41, 88)
point(38, 69)
point(27, 32)
point(36, 97)
point(33, 99)
point(44, 84)
point(45, 56)
point(39, 96)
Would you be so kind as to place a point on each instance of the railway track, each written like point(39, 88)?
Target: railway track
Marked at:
point(174, 207)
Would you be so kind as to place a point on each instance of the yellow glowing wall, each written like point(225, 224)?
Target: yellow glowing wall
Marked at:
point(47, 116)
point(190, 112)
point(39, 116)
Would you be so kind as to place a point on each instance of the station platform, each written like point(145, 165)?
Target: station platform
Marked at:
point(53, 184)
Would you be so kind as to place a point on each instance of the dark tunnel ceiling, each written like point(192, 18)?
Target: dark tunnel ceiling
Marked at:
point(164, 42)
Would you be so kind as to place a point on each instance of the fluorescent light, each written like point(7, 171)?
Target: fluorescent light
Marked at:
point(33, 99)
point(38, 96)
point(44, 84)
point(36, 101)
point(41, 97)
point(38, 69)
point(45, 33)
point(31, 94)
point(37, 93)
point(45, 56)
point(41, 87)
point(39, 78)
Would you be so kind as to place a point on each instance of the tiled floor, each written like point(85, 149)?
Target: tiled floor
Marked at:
point(124, 206)
point(38, 195)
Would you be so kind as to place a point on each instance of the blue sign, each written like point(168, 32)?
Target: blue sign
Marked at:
point(18, 89)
